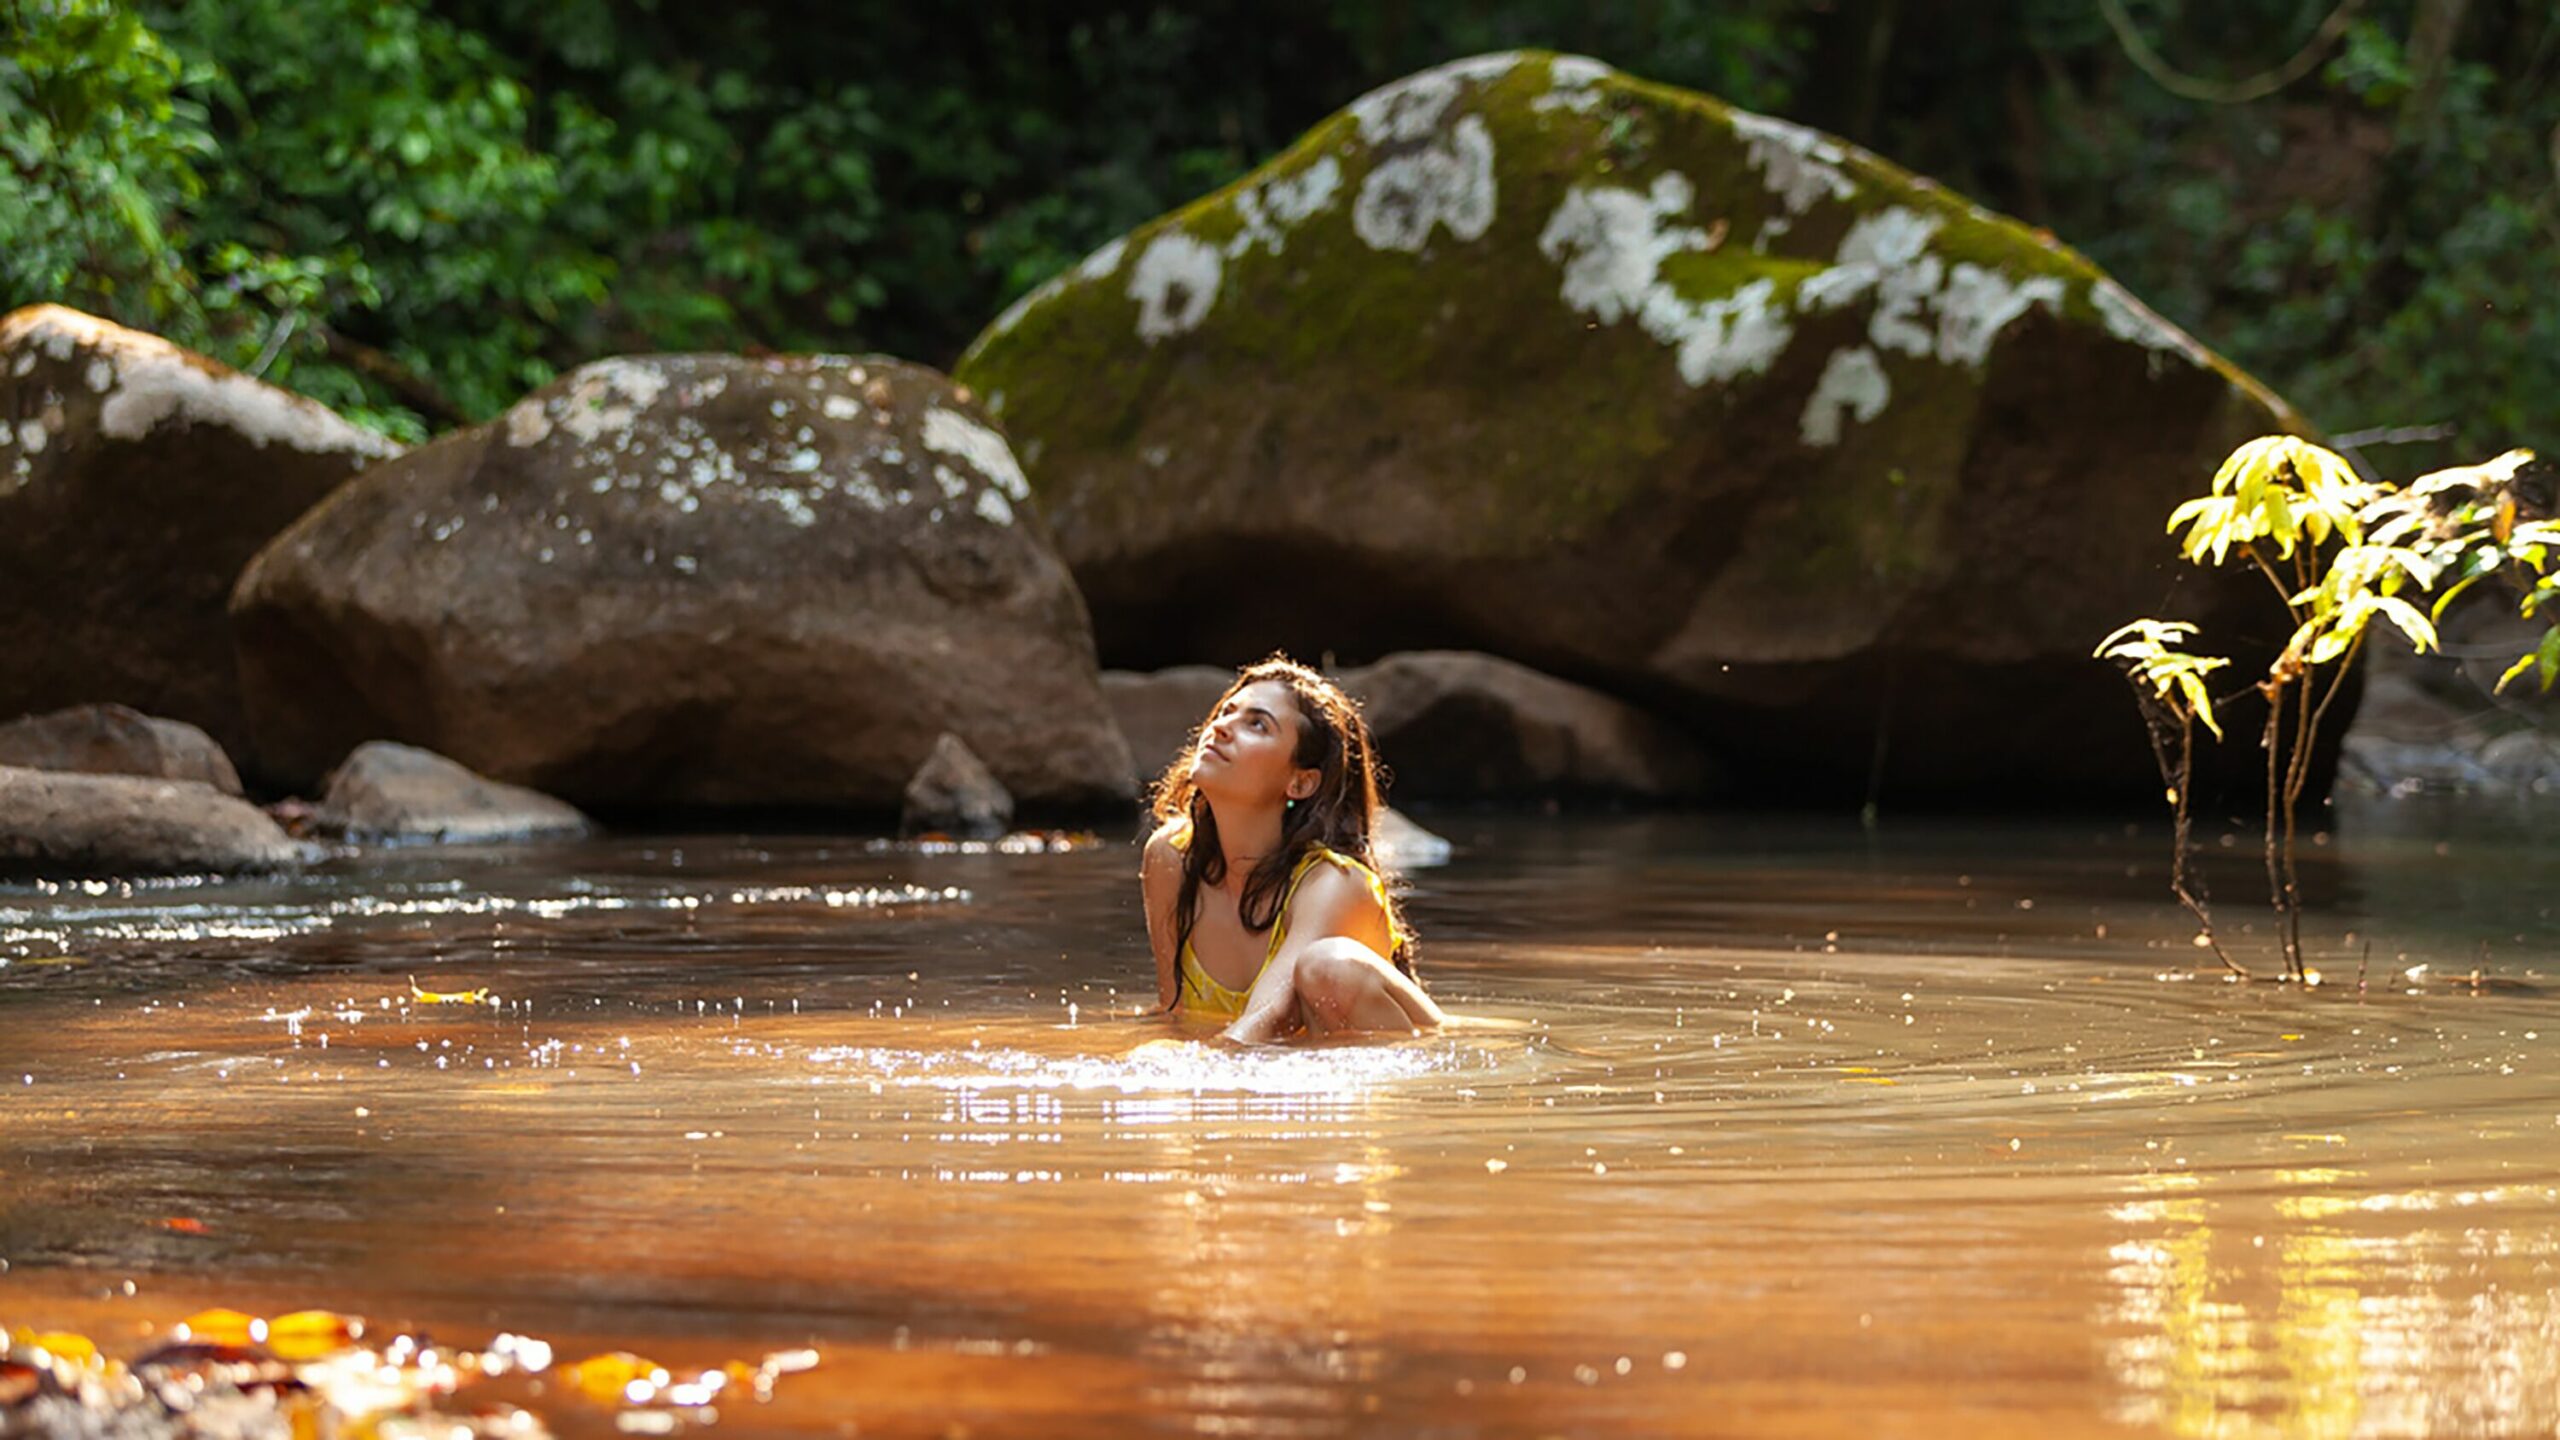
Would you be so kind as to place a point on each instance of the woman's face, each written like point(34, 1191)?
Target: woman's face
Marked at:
point(1248, 750)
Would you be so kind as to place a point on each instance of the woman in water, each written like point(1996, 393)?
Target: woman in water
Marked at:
point(1264, 904)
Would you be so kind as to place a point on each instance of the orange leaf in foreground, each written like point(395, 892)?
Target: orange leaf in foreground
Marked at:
point(607, 1379)
point(222, 1327)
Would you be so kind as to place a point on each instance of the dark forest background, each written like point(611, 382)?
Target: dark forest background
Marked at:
point(417, 212)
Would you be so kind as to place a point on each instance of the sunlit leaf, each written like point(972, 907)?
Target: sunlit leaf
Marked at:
point(2412, 623)
point(2512, 671)
point(616, 1377)
point(2436, 611)
point(447, 997)
point(223, 1327)
point(312, 1334)
point(78, 1351)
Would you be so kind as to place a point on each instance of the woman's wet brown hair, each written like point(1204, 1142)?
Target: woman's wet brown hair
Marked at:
point(1342, 814)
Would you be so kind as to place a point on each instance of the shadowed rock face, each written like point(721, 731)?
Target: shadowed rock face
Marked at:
point(136, 479)
point(1451, 725)
point(696, 580)
point(1716, 413)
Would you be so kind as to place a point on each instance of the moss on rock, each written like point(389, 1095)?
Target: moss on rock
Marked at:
point(1614, 379)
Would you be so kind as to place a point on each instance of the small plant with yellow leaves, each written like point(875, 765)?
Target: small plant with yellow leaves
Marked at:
point(2304, 519)
point(2341, 552)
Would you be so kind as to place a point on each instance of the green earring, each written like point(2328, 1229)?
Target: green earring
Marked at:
point(1291, 804)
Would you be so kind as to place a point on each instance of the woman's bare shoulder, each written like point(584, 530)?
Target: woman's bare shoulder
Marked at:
point(1165, 846)
point(1342, 897)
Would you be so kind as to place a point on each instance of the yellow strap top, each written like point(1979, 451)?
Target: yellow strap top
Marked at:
point(1200, 993)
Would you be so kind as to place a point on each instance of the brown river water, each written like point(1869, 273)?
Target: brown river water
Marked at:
point(1771, 1127)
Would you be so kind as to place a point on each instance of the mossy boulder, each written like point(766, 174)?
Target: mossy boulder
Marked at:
point(1529, 356)
point(689, 580)
point(136, 478)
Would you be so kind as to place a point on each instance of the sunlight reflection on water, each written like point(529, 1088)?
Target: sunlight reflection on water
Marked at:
point(1923, 1132)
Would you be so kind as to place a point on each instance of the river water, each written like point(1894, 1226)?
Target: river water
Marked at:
point(1771, 1127)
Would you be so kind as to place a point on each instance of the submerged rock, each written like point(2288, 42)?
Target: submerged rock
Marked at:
point(690, 579)
point(1401, 844)
point(1454, 725)
point(136, 478)
point(386, 791)
point(116, 740)
point(54, 823)
point(953, 792)
point(1527, 356)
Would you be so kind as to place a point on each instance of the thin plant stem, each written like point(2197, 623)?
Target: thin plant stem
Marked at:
point(2273, 737)
point(2182, 851)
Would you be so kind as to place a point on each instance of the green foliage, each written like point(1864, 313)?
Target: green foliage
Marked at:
point(2377, 241)
point(102, 148)
point(2278, 504)
point(2150, 653)
point(416, 212)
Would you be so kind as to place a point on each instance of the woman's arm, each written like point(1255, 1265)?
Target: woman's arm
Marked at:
point(1159, 884)
point(1328, 903)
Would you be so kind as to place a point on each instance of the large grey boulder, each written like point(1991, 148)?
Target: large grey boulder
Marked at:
point(1527, 356)
point(695, 580)
point(1452, 725)
point(54, 823)
point(386, 791)
point(1455, 725)
point(116, 740)
point(136, 478)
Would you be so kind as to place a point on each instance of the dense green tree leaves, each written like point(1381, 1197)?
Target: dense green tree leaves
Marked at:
point(417, 211)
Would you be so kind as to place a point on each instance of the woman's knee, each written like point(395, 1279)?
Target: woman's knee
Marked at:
point(1335, 972)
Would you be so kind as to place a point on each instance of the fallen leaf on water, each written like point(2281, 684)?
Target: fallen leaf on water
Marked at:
point(65, 1349)
point(447, 997)
point(607, 1379)
point(222, 1327)
point(312, 1334)
point(186, 1225)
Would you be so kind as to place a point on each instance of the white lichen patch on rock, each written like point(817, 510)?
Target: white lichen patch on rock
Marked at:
point(1296, 199)
point(32, 436)
point(153, 383)
point(1612, 243)
point(810, 432)
point(1921, 306)
point(1799, 165)
point(1411, 109)
point(1097, 266)
point(1268, 212)
point(2130, 320)
point(1978, 303)
point(948, 432)
point(528, 423)
point(1853, 385)
point(1572, 84)
point(605, 396)
point(1449, 183)
point(1175, 282)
